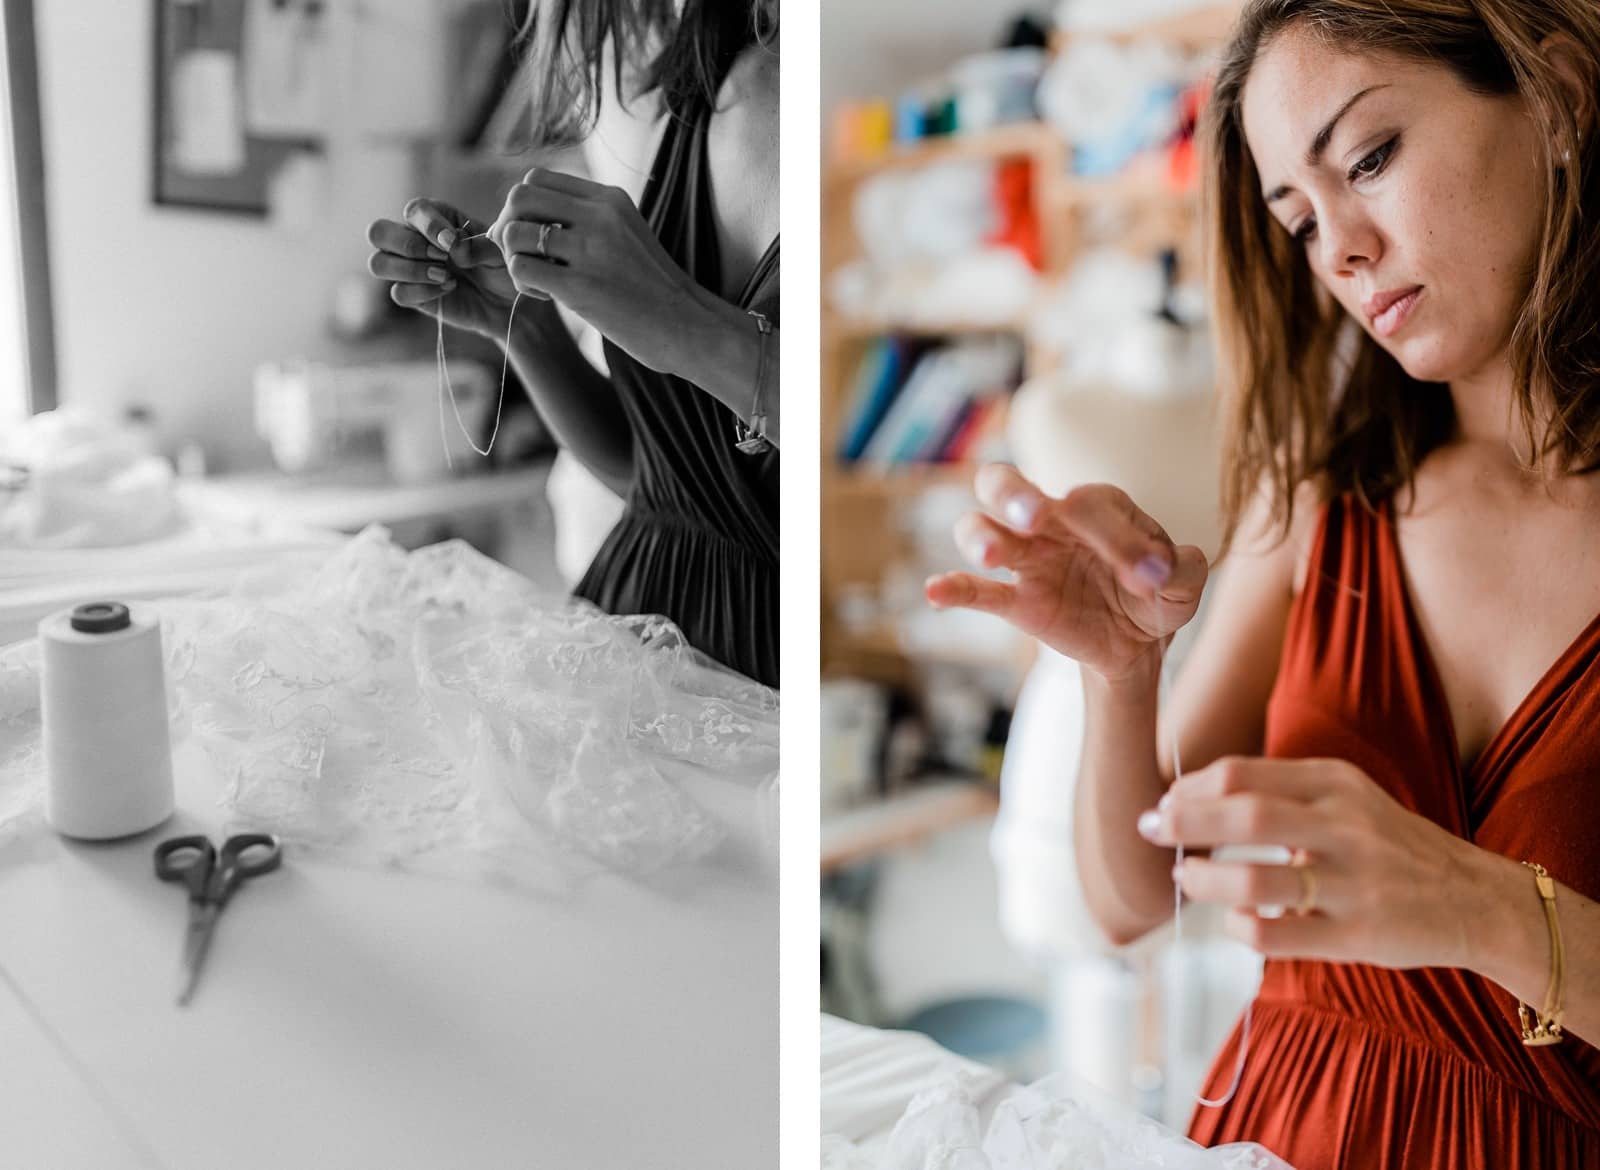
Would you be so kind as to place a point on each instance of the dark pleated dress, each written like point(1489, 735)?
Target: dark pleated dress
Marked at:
point(1360, 1067)
point(698, 537)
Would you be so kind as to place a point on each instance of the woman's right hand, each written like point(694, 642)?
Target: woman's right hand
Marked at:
point(439, 262)
point(1095, 578)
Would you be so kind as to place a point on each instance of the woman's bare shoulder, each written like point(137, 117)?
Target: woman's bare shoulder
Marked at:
point(746, 121)
point(1271, 551)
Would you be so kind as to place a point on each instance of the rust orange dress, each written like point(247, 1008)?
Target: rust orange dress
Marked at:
point(1364, 1068)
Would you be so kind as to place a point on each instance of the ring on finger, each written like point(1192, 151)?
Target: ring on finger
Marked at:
point(1308, 885)
point(542, 248)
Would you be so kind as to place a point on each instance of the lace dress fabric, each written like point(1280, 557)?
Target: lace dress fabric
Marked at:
point(434, 711)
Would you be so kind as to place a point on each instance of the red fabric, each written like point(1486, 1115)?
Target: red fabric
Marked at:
point(1357, 1066)
point(1019, 218)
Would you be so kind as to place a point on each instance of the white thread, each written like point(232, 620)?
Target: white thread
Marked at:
point(108, 1105)
point(446, 386)
point(1163, 693)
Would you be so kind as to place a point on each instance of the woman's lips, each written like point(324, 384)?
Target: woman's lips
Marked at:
point(1389, 322)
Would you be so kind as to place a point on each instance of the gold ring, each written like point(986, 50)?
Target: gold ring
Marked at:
point(1308, 888)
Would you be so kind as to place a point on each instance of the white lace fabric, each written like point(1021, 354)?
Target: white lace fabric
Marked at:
point(1056, 1123)
point(434, 710)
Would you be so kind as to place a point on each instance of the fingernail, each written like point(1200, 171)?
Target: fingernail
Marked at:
point(1020, 510)
point(1149, 823)
point(436, 253)
point(447, 239)
point(1153, 571)
point(978, 552)
point(437, 274)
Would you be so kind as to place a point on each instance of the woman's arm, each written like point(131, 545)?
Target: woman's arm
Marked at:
point(1219, 703)
point(580, 404)
point(720, 352)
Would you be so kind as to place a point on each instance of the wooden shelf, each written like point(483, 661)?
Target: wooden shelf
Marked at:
point(1138, 209)
point(1015, 139)
point(901, 820)
point(859, 329)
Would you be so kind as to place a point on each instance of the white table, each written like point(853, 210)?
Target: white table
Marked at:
point(359, 1019)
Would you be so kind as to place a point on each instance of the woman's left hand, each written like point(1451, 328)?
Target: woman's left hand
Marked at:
point(1387, 887)
point(603, 262)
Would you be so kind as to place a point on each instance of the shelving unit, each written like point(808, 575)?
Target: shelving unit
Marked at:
point(860, 506)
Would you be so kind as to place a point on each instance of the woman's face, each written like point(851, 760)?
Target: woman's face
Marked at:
point(1417, 203)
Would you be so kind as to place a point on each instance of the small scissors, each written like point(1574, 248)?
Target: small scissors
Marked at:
point(212, 877)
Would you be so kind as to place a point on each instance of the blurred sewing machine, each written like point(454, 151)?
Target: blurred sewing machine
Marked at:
point(314, 415)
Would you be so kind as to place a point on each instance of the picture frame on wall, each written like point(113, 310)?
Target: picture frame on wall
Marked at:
point(239, 90)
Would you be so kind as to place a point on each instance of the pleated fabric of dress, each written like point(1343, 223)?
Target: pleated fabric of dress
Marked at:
point(1354, 1066)
point(698, 537)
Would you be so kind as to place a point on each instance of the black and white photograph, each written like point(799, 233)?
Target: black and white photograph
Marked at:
point(389, 575)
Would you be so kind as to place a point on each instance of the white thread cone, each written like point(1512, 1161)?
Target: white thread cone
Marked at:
point(103, 704)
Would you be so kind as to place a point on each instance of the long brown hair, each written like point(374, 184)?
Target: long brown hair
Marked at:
point(683, 53)
point(1308, 396)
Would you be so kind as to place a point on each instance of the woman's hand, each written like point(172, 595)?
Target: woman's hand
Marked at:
point(439, 262)
point(1387, 886)
point(605, 264)
point(1096, 578)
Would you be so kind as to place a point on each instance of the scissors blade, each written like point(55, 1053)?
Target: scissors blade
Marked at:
point(196, 945)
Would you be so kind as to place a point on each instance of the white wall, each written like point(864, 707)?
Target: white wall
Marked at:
point(873, 48)
point(172, 307)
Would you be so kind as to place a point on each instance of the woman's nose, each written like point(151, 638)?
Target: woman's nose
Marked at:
point(1349, 239)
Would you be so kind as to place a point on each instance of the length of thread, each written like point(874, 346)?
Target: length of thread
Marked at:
point(447, 388)
point(1164, 693)
point(108, 1105)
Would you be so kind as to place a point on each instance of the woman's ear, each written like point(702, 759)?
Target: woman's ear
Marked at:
point(1575, 75)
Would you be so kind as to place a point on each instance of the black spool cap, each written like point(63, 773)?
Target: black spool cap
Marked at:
point(101, 617)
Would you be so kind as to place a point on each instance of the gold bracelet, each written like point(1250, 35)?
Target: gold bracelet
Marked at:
point(1545, 1028)
point(752, 439)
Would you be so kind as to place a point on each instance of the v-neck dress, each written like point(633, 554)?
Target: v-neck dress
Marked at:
point(698, 536)
point(1361, 1067)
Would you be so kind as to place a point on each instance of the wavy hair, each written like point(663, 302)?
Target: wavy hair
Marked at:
point(1308, 396)
point(682, 48)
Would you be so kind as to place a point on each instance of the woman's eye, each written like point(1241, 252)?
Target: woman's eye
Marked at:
point(1374, 162)
point(1305, 231)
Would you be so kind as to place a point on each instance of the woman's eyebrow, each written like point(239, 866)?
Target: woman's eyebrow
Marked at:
point(1319, 144)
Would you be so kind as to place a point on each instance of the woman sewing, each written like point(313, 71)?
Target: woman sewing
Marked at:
point(1400, 677)
point(683, 286)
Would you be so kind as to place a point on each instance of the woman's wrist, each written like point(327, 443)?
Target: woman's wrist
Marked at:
point(1505, 935)
point(719, 350)
point(1136, 681)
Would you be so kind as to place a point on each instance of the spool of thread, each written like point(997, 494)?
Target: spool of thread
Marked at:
point(103, 703)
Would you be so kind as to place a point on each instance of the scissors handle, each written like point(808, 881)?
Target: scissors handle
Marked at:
point(212, 875)
point(189, 860)
point(245, 855)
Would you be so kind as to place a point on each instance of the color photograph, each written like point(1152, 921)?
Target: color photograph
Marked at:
point(1208, 587)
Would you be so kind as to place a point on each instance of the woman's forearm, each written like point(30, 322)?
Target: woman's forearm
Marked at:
point(577, 401)
point(1510, 941)
point(1127, 882)
point(720, 352)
